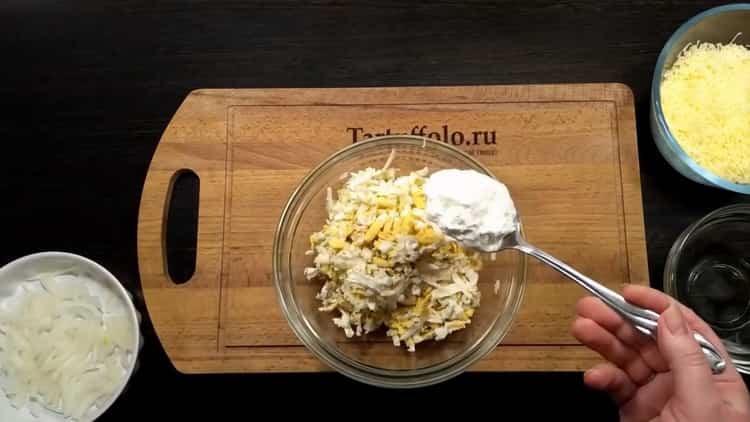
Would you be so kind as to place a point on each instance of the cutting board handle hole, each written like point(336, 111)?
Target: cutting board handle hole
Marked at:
point(181, 226)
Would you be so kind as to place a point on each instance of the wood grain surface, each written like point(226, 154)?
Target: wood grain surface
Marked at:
point(567, 153)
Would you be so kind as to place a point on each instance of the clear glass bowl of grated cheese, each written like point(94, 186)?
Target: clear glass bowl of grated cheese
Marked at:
point(719, 25)
point(373, 358)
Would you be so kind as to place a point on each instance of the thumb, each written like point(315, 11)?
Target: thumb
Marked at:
point(692, 376)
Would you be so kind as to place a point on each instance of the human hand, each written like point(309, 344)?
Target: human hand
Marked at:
point(667, 380)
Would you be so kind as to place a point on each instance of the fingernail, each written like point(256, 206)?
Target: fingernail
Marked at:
point(674, 320)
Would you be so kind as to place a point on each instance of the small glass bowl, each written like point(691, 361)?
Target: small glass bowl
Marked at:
point(372, 358)
point(708, 270)
point(716, 25)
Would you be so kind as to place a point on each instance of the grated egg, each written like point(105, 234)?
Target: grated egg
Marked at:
point(382, 264)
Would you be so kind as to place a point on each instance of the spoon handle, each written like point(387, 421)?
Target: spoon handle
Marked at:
point(644, 320)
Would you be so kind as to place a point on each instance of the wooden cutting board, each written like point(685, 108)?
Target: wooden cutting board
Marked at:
point(567, 152)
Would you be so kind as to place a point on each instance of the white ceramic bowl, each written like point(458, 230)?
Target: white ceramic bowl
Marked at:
point(14, 274)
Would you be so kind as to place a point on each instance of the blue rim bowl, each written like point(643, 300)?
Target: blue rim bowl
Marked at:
point(699, 25)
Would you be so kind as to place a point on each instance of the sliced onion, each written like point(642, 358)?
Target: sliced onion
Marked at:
point(62, 349)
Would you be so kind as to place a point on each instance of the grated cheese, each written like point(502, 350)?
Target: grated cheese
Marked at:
point(705, 96)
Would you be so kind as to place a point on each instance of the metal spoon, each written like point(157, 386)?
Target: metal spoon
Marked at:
point(644, 320)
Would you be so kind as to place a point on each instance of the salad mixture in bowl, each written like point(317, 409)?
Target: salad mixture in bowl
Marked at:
point(371, 286)
point(382, 264)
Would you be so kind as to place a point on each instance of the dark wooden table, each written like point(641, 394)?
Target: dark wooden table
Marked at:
point(88, 86)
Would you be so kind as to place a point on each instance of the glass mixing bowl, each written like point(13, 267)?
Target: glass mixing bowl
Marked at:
point(708, 269)
point(372, 358)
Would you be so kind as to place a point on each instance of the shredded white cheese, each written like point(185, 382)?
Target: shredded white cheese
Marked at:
point(705, 96)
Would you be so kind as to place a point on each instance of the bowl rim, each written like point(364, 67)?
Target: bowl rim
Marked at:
point(133, 313)
point(663, 127)
point(364, 373)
